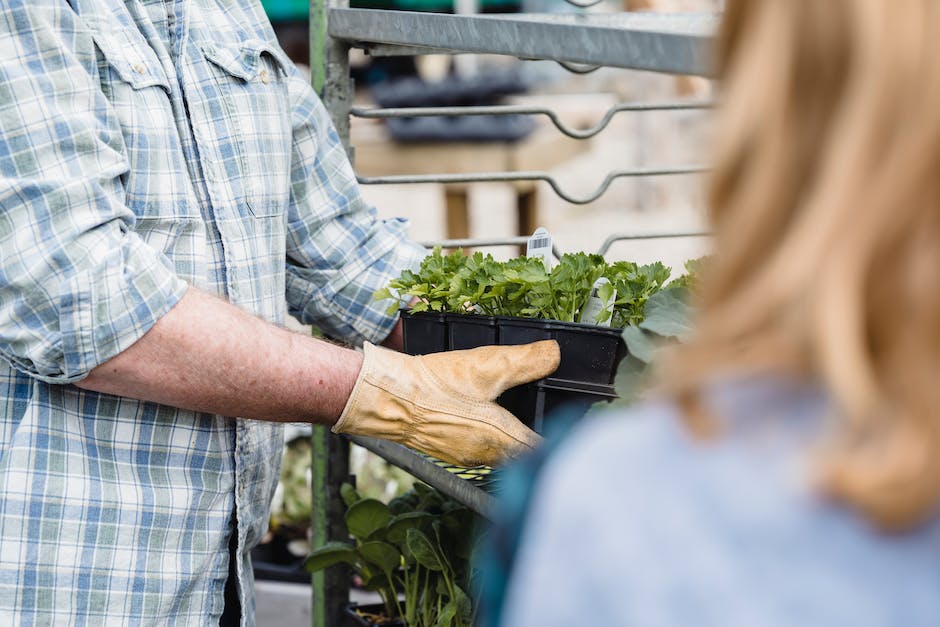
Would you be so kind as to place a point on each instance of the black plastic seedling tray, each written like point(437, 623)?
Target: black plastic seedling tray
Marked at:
point(589, 353)
point(589, 357)
point(535, 402)
point(424, 333)
point(470, 331)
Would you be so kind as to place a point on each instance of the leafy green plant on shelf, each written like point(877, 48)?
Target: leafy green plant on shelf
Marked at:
point(522, 287)
point(418, 546)
point(665, 321)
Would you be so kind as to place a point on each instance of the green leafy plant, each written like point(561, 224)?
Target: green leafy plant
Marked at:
point(522, 287)
point(634, 284)
point(666, 320)
point(418, 545)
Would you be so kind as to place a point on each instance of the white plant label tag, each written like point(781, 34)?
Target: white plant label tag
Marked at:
point(540, 245)
point(602, 299)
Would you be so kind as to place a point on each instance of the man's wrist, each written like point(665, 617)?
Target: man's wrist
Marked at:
point(396, 339)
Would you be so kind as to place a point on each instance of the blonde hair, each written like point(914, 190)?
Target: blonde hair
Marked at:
point(825, 205)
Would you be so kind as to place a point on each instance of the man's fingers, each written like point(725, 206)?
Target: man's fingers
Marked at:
point(489, 370)
point(537, 360)
point(491, 442)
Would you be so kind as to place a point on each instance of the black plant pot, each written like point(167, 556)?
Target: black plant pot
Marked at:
point(356, 619)
point(424, 332)
point(589, 357)
point(589, 353)
point(470, 331)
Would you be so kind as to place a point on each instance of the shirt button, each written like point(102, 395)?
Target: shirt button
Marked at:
point(139, 68)
point(265, 77)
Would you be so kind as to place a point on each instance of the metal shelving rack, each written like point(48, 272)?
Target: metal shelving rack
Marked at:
point(669, 43)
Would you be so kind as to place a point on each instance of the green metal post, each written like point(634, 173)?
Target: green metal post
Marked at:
point(329, 469)
point(329, 67)
point(318, 36)
point(329, 72)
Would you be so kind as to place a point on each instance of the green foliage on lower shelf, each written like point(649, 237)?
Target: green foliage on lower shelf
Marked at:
point(419, 545)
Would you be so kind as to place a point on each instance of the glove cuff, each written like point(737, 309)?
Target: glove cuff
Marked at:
point(367, 411)
point(345, 421)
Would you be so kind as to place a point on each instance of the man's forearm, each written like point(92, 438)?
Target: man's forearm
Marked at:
point(208, 355)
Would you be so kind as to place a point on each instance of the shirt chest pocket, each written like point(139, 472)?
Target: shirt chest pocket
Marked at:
point(251, 119)
point(137, 88)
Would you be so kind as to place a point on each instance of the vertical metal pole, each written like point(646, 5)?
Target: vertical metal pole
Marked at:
point(318, 36)
point(329, 469)
point(329, 65)
point(329, 70)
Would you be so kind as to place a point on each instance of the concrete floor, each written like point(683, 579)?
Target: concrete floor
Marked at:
point(279, 604)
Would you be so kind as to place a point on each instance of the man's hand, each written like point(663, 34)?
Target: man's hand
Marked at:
point(443, 404)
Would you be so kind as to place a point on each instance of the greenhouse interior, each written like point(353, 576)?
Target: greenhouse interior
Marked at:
point(469, 313)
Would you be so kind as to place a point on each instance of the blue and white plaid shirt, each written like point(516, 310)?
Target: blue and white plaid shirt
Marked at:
point(147, 145)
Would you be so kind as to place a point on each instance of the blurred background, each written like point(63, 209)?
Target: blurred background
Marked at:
point(632, 139)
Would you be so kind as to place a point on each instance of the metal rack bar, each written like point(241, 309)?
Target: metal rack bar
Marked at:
point(579, 68)
point(643, 236)
point(405, 112)
point(459, 489)
point(673, 43)
point(584, 5)
point(508, 177)
point(483, 242)
point(393, 50)
point(478, 242)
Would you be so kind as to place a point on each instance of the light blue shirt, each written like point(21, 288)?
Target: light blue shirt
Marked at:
point(147, 146)
point(635, 523)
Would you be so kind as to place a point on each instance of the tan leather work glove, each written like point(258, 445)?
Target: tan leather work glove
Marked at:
point(444, 404)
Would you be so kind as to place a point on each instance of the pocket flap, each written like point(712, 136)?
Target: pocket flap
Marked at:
point(244, 61)
point(133, 60)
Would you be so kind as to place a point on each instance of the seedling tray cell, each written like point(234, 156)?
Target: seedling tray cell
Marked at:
point(589, 353)
point(557, 394)
point(534, 403)
point(424, 333)
point(470, 331)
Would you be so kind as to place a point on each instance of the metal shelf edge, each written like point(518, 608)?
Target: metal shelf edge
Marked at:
point(463, 491)
point(671, 43)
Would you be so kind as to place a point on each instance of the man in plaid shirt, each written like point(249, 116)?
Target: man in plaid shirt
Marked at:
point(170, 188)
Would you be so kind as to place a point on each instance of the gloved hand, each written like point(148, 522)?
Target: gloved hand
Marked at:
point(443, 404)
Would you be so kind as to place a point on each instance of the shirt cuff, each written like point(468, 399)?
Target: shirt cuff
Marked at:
point(340, 302)
point(104, 309)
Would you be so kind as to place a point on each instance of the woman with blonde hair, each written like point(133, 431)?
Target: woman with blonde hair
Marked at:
point(789, 472)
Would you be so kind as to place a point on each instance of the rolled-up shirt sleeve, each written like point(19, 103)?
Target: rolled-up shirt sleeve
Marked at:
point(338, 252)
point(77, 285)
